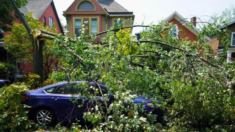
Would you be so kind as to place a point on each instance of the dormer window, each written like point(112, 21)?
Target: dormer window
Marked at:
point(174, 31)
point(233, 39)
point(86, 6)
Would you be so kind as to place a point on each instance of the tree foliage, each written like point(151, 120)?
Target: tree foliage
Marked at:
point(227, 15)
point(18, 43)
point(6, 13)
point(195, 87)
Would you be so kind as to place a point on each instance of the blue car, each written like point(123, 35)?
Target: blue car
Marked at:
point(61, 102)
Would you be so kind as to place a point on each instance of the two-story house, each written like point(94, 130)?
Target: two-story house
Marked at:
point(96, 16)
point(45, 12)
point(180, 24)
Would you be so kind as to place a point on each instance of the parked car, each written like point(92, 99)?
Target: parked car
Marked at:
point(3, 83)
point(54, 103)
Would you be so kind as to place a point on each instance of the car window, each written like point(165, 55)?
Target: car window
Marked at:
point(65, 89)
point(98, 93)
point(75, 89)
point(49, 90)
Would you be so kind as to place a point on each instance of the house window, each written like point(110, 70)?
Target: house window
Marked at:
point(86, 6)
point(233, 39)
point(90, 26)
point(174, 31)
point(118, 23)
point(50, 22)
point(78, 26)
point(44, 21)
point(94, 26)
point(1, 34)
point(232, 56)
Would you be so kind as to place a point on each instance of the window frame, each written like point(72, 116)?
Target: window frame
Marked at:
point(83, 2)
point(44, 21)
point(50, 23)
point(1, 32)
point(232, 38)
point(75, 26)
point(122, 18)
point(177, 31)
point(98, 24)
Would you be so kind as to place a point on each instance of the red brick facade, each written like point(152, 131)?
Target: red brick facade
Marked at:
point(187, 33)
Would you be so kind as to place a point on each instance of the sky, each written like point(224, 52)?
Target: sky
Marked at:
point(153, 11)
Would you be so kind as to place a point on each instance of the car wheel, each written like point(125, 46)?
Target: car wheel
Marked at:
point(44, 116)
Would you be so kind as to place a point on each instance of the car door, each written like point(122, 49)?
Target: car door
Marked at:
point(62, 104)
point(79, 102)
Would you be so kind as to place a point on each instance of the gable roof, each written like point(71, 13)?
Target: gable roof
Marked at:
point(110, 7)
point(182, 20)
point(38, 7)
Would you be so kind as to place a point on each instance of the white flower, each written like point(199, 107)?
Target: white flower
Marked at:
point(111, 106)
point(96, 107)
point(142, 119)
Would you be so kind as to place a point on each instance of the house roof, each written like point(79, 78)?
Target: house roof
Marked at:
point(229, 24)
point(112, 6)
point(38, 7)
point(182, 20)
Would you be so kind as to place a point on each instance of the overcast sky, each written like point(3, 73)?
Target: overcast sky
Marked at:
point(153, 11)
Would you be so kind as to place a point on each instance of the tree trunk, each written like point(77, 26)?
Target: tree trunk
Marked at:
point(37, 48)
point(38, 58)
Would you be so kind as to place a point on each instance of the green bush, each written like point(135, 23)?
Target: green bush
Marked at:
point(13, 116)
point(58, 76)
point(48, 82)
point(7, 70)
point(32, 80)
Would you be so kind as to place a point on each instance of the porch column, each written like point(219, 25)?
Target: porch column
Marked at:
point(229, 55)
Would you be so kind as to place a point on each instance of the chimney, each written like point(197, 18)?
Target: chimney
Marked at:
point(194, 21)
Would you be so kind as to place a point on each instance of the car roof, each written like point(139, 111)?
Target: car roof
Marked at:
point(74, 82)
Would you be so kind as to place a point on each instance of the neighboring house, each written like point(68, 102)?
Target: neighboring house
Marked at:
point(180, 24)
point(96, 15)
point(231, 48)
point(45, 12)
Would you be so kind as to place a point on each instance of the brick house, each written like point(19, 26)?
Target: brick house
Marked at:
point(96, 15)
point(180, 22)
point(45, 12)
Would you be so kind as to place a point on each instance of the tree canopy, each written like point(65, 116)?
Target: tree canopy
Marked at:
point(6, 13)
point(194, 85)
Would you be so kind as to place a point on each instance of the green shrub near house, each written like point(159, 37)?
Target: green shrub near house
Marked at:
point(7, 71)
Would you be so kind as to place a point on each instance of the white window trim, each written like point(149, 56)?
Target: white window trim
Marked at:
point(50, 22)
point(233, 34)
point(177, 31)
